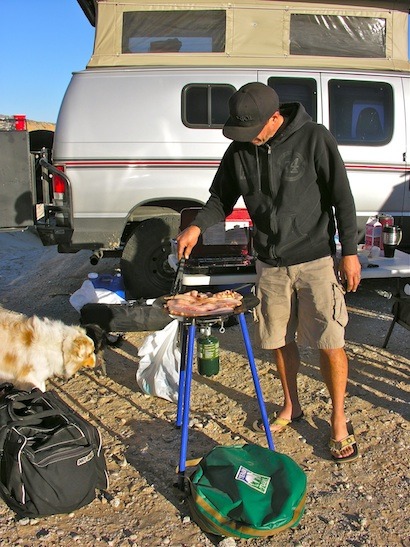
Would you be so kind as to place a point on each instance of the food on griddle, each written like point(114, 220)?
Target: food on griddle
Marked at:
point(195, 303)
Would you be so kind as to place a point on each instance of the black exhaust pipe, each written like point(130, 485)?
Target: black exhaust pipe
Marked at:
point(95, 257)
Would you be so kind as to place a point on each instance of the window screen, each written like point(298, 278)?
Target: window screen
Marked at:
point(337, 36)
point(174, 31)
point(361, 113)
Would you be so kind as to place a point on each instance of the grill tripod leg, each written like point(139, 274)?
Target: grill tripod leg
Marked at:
point(255, 377)
point(185, 409)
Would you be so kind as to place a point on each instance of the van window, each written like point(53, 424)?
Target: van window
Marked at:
point(361, 113)
point(190, 31)
point(337, 35)
point(301, 90)
point(206, 105)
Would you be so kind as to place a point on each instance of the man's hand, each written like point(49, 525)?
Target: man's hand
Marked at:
point(350, 272)
point(187, 241)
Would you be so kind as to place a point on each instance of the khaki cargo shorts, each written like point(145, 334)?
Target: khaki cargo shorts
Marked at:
point(303, 303)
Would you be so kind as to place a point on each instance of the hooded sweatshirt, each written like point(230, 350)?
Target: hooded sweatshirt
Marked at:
point(295, 186)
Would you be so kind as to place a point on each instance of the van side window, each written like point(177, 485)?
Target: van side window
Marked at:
point(361, 113)
point(192, 31)
point(301, 90)
point(206, 105)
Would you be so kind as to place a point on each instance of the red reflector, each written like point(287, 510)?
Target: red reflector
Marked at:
point(20, 122)
point(59, 182)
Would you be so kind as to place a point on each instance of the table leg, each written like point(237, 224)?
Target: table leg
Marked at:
point(258, 390)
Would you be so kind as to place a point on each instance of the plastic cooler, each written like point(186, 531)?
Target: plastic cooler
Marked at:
point(114, 283)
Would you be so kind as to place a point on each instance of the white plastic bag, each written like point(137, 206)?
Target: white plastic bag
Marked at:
point(88, 294)
point(158, 371)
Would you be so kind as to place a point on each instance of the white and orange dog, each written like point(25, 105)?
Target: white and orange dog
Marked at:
point(33, 349)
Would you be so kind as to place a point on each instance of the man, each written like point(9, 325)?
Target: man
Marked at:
point(294, 184)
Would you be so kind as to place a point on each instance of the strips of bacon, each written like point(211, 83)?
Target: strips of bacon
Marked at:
point(198, 304)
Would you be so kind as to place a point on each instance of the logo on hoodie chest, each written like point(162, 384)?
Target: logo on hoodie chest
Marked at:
point(292, 166)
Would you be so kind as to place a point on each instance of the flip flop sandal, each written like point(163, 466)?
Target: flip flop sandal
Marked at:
point(283, 423)
point(337, 447)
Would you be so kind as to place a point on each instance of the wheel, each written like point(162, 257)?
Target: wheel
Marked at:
point(144, 261)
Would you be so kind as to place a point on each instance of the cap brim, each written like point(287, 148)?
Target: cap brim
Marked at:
point(239, 133)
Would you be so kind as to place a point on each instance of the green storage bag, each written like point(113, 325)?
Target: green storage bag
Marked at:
point(246, 491)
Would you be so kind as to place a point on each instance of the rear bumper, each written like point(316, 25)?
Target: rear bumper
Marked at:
point(54, 235)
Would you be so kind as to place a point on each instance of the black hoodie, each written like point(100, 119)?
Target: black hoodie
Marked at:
point(290, 186)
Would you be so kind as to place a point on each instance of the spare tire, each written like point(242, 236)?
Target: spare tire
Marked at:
point(144, 261)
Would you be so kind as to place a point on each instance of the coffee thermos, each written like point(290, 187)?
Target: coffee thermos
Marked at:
point(385, 220)
point(391, 236)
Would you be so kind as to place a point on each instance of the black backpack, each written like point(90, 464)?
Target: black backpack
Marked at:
point(51, 459)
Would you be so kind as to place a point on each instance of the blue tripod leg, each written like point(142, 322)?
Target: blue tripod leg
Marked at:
point(185, 413)
point(182, 373)
point(261, 402)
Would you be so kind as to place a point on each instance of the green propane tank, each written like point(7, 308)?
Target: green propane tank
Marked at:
point(207, 352)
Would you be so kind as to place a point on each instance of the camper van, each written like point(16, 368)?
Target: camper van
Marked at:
point(139, 132)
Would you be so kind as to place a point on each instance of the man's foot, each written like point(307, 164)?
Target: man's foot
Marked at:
point(346, 449)
point(276, 423)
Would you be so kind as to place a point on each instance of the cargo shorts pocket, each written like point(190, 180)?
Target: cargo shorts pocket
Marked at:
point(339, 305)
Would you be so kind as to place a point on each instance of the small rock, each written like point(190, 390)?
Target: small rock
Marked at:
point(227, 542)
point(115, 502)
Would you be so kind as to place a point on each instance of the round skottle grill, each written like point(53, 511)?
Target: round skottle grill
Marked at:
point(249, 302)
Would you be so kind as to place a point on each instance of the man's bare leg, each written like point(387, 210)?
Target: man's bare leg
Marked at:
point(288, 363)
point(334, 369)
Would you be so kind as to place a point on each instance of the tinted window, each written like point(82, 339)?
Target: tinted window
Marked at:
point(301, 90)
point(206, 105)
point(361, 113)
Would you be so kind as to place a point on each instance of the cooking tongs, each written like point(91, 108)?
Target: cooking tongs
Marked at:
point(177, 286)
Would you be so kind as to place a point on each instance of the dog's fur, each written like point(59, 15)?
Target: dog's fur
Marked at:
point(33, 349)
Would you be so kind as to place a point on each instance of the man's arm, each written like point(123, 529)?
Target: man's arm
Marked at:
point(342, 199)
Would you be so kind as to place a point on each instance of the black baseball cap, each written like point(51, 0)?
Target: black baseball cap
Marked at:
point(250, 108)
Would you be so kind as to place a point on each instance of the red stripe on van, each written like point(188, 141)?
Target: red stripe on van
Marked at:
point(364, 167)
point(211, 163)
point(143, 163)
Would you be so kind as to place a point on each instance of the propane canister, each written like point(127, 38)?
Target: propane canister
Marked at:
point(207, 352)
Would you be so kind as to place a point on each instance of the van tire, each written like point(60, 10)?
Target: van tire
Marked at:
point(144, 261)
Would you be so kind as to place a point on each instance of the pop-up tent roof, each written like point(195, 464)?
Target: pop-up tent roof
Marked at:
point(365, 35)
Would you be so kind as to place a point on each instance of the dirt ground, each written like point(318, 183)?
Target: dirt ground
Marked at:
point(362, 503)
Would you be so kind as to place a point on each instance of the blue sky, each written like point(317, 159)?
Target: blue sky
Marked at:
point(41, 43)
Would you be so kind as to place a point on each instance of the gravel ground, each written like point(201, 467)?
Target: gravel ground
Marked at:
point(363, 503)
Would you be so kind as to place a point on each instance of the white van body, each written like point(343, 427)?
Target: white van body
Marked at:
point(132, 158)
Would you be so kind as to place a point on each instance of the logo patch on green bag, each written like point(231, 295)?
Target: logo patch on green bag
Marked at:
point(252, 479)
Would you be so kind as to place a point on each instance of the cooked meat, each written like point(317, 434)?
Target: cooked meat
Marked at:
point(196, 304)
